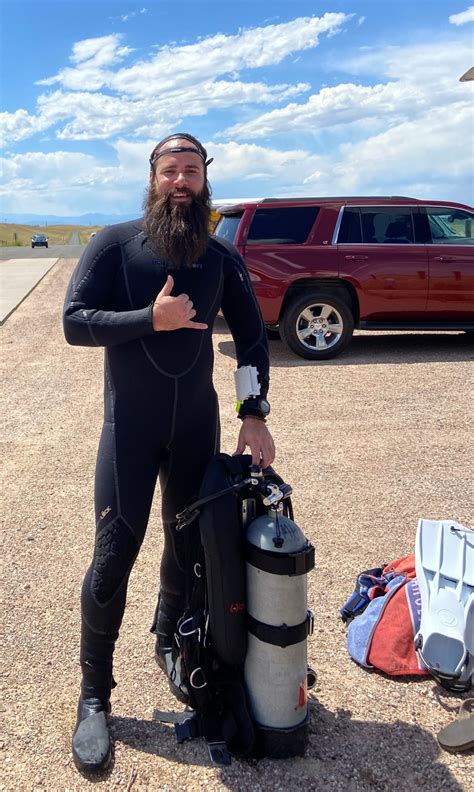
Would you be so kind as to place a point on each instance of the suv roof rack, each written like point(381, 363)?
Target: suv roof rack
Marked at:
point(337, 198)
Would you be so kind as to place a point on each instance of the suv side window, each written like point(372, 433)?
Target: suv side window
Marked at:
point(282, 226)
point(450, 226)
point(351, 228)
point(376, 225)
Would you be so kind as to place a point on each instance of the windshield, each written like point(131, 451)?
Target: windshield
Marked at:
point(440, 228)
point(227, 227)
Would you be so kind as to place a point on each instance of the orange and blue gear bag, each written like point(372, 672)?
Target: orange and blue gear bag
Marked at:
point(383, 616)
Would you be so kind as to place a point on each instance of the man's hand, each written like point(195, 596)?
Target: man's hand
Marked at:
point(173, 313)
point(254, 434)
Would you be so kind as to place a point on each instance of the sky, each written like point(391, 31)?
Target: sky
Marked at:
point(327, 97)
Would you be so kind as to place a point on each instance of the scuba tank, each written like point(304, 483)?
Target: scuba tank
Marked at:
point(241, 645)
point(277, 677)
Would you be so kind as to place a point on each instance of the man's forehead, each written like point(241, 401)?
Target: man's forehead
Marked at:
point(180, 143)
point(170, 157)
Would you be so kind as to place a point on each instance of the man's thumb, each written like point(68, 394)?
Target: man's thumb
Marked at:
point(167, 288)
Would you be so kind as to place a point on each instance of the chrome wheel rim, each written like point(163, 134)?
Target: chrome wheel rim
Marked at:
point(319, 326)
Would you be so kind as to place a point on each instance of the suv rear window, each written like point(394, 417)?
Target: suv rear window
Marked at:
point(282, 226)
point(227, 227)
point(376, 225)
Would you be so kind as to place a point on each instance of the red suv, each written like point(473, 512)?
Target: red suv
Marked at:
point(321, 267)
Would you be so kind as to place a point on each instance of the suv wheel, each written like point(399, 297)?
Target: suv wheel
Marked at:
point(317, 326)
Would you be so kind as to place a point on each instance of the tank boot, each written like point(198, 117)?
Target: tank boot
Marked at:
point(164, 626)
point(91, 743)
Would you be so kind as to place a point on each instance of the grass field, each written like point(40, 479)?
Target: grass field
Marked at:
point(85, 233)
point(12, 234)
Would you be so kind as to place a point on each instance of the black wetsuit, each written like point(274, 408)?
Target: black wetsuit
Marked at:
point(161, 411)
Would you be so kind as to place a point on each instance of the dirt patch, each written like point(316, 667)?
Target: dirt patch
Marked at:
point(370, 442)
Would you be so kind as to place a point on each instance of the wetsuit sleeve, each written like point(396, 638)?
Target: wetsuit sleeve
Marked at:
point(242, 314)
point(89, 318)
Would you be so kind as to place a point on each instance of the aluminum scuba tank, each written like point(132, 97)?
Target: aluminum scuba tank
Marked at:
point(278, 558)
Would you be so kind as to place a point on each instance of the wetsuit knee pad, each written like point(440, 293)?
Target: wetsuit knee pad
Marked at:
point(116, 548)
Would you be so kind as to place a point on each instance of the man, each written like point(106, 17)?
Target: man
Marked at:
point(149, 291)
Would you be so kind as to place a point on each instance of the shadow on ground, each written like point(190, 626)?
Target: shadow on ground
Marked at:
point(342, 753)
point(393, 348)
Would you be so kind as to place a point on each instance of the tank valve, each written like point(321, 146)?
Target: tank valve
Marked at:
point(274, 495)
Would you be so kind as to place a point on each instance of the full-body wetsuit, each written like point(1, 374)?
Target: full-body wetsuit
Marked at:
point(161, 411)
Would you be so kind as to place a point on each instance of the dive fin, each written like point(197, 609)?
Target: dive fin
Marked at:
point(444, 558)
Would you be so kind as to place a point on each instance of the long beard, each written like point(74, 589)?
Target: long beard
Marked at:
point(178, 233)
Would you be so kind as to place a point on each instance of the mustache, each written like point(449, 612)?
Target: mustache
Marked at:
point(181, 191)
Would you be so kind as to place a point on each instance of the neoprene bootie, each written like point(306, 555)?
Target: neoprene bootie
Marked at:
point(91, 743)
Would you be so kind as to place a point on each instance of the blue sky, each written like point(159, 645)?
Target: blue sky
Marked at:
point(290, 98)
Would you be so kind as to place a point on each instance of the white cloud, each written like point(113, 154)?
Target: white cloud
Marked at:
point(100, 52)
point(130, 15)
point(463, 17)
point(90, 56)
point(181, 66)
point(18, 126)
point(233, 161)
point(412, 152)
point(156, 93)
point(397, 135)
point(83, 115)
point(413, 158)
point(64, 182)
point(418, 81)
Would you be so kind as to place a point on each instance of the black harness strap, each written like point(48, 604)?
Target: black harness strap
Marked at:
point(282, 636)
point(299, 563)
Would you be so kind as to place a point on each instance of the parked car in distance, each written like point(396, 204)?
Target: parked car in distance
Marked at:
point(39, 240)
point(321, 267)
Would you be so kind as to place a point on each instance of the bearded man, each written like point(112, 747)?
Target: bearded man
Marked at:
point(149, 291)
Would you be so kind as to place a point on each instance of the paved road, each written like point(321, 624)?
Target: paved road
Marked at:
point(18, 278)
point(22, 268)
point(54, 251)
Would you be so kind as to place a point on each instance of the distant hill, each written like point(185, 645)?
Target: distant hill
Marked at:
point(92, 219)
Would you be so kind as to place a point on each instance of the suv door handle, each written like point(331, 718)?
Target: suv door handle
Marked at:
point(356, 258)
point(444, 258)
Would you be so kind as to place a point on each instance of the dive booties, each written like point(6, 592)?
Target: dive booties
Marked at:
point(91, 744)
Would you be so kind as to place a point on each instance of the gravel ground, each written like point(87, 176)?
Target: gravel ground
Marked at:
point(370, 442)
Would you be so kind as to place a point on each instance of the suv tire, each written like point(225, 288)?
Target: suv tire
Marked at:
point(332, 329)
